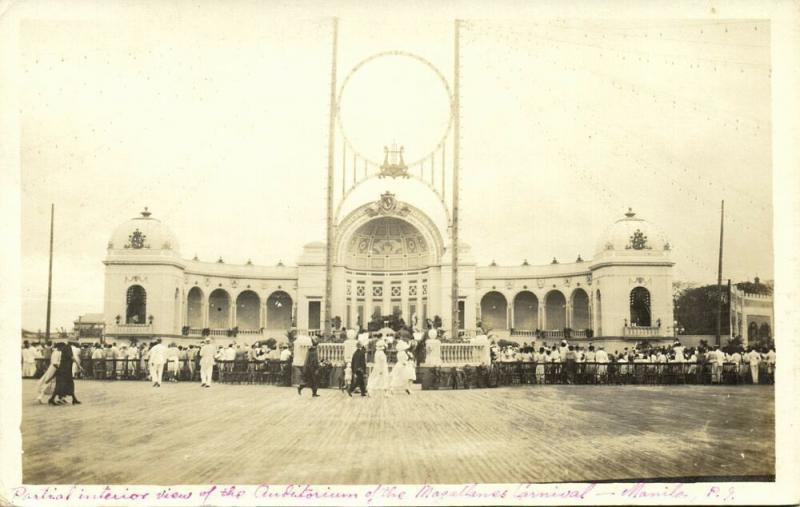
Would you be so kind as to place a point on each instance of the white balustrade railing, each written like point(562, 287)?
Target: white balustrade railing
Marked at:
point(130, 329)
point(462, 353)
point(523, 332)
point(331, 352)
point(641, 331)
point(553, 333)
point(451, 353)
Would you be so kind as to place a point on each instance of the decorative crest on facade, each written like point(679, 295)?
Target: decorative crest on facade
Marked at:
point(638, 241)
point(393, 165)
point(387, 205)
point(136, 240)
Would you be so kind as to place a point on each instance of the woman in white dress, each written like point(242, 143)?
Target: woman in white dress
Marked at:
point(403, 372)
point(379, 376)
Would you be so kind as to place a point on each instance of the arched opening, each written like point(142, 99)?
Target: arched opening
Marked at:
point(194, 308)
point(388, 243)
point(764, 331)
point(248, 306)
point(494, 310)
point(279, 310)
point(219, 309)
point(526, 311)
point(752, 331)
point(640, 307)
point(581, 318)
point(136, 305)
point(555, 308)
point(599, 313)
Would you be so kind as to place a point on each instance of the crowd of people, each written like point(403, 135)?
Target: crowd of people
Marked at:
point(56, 365)
point(750, 363)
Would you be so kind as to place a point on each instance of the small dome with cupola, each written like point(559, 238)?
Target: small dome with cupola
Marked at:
point(632, 235)
point(143, 234)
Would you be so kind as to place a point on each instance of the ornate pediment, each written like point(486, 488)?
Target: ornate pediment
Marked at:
point(387, 206)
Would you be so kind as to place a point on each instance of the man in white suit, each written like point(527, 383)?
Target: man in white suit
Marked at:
point(158, 356)
point(207, 353)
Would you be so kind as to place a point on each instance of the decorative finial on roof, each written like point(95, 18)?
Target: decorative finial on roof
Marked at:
point(249, 262)
point(146, 213)
point(493, 263)
point(525, 262)
point(220, 261)
point(195, 258)
point(280, 263)
point(555, 261)
point(630, 213)
point(579, 259)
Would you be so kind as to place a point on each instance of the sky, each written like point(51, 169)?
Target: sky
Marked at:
point(218, 122)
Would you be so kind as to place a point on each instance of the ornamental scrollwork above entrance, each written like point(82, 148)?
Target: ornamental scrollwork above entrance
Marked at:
point(387, 206)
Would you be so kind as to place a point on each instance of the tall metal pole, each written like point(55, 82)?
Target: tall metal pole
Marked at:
point(456, 140)
point(719, 272)
point(50, 275)
point(329, 240)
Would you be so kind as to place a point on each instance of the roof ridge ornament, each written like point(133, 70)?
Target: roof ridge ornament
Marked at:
point(393, 165)
point(146, 213)
point(630, 213)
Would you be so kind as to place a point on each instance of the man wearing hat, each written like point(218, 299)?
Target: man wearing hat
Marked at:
point(310, 370)
point(206, 363)
point(359, 366)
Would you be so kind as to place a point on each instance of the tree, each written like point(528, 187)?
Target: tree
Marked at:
point(696, 310)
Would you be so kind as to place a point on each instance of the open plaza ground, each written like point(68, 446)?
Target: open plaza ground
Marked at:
point(131, 433)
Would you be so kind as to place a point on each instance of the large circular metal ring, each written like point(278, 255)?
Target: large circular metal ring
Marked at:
point(407, 55)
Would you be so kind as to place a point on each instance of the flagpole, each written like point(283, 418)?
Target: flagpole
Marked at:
point(454, 316)
point(329, 215)
point(50, 276)
point(719, 272)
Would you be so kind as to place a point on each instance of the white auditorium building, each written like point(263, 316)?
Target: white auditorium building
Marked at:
point(388, 256)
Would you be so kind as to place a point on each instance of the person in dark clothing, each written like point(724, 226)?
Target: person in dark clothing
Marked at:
point(65, 385)
point(358, 365)
point(310, 371)
point(570, 363)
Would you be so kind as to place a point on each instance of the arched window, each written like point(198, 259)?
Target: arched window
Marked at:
point(580, 310)
point(136, 305)
point(555, 310)
point(494, 309)
point(279, 310)
point(194, 303)
point(248, 308)
point(219, 309)
point(752, 331)
point(526, 311)
point(764, 331)
point(640, 307)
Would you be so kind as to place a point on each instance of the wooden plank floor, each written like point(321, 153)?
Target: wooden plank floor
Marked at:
point(129, 432)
